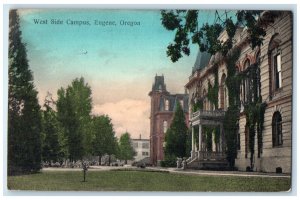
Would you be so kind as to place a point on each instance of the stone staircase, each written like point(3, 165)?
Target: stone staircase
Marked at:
point(208, 161)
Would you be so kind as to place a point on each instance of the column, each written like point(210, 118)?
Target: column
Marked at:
point(200, 137)
point(213, 142)
point(222, 138)
point(193, 147)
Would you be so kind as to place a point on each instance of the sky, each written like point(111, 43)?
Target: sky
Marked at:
point(118, 62)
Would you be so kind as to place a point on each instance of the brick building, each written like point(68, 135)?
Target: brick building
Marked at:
point(163, 105)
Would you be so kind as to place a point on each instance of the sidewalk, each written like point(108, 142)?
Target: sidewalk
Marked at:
point(176, 171)
point(220, 173)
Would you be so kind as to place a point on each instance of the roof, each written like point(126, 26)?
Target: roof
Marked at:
point(173, 99)
point(202, 60)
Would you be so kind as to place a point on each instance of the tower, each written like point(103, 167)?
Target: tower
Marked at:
point(163, 106)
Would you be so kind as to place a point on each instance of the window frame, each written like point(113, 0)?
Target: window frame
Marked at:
point(277, 135)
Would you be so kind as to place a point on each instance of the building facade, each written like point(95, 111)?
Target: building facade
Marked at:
point(141, 148)
point(163, 105)
point(273, 62)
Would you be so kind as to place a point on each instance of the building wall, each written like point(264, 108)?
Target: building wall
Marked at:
point(141, 147)
point(271, 157)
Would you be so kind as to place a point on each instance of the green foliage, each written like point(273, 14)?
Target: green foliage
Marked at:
point(74, 106)
point(104, 140)
point(24, 116)
point(232, 114)
point(187, 30)
point(169, 161)
point(126, 151)
point(176, 134)
point(51, 146)
point(198, 105)
point(230, 127)
point(188, 143)
point(213, 92)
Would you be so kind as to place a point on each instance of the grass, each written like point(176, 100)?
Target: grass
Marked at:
point(144, 181)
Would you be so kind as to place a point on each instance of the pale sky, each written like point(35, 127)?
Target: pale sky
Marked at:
point(118, 62)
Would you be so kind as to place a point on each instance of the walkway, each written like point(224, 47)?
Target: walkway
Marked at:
point(176, 171)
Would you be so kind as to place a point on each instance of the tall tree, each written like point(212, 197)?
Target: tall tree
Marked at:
point(74, 106)
point(126, 151)
point(24, 116)
point(176, 135)
point(51, 145)
point(104, 140)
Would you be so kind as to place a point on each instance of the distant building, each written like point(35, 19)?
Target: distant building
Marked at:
point(163, 105)
point(141, 147)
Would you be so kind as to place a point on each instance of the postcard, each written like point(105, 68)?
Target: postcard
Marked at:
point(149, 100)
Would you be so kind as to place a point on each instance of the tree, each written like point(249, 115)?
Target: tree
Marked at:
point(176, 135)
point(104, 140)
point(187, 28)
point(74, 106)
point(24, 116)
point(51, 145)
point(126, 151)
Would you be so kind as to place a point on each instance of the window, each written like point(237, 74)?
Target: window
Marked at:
point(135, 145)
point(181, 103)
point(204, 100)
point(145, 145)
point(258, 73)
point(277, 71)
point(165, 126)
point(166, 104)
point(275, 68)
point(246, 84)
point(246, 141)
point(145, 153)
point(223, 95)
point(277, 129)
point(238, 139)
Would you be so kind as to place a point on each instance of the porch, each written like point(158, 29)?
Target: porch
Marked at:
point(207, 153)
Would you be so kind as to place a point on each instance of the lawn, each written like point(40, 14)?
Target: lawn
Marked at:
point(143, 181)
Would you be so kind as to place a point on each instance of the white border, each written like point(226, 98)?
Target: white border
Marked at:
point(215, 4)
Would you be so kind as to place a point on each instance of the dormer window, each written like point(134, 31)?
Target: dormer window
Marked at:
point(181, 103)
point(159, 88)
point(166, 104)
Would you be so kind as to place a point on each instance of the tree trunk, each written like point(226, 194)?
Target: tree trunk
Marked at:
point(125, 162)
point(108, 160)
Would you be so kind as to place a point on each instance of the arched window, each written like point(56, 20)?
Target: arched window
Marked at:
point(277, 129)
point(274, 56)
point(223, 93)
point(167, 106)
point(204, 100)
point(165, 126)
point(246, 83)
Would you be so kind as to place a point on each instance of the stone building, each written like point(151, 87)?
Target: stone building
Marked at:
point(163, 105)
point(141, 148)
point(273, 64)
